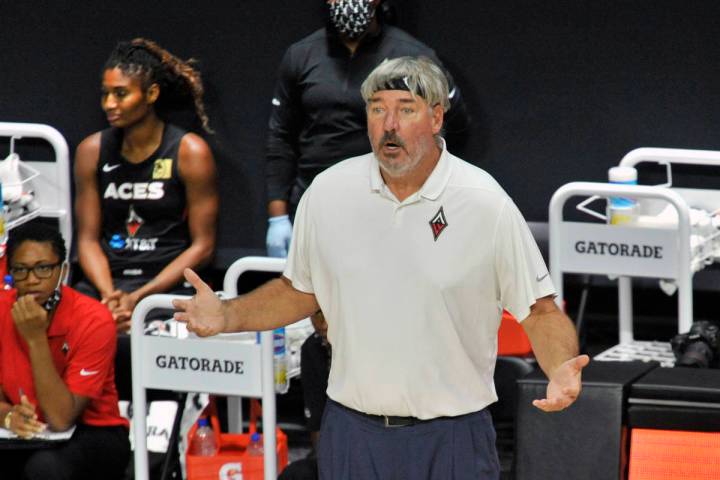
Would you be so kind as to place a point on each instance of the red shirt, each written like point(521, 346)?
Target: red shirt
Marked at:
point(82, 341)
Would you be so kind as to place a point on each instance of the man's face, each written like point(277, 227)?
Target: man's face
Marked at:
point(352, 18)
point(402, 130)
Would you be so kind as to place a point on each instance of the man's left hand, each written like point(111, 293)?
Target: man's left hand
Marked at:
point(30, 318)
point(564, 385)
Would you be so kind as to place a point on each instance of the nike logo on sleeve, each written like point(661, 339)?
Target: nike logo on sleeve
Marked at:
point(109, 168)
point(87, 373)
point(540, 278)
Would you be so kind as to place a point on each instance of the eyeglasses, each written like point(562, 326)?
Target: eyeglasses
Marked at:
point(42, 271)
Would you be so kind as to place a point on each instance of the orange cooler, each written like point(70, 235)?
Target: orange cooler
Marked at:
point(232, 461)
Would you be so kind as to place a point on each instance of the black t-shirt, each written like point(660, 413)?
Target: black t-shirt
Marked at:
point(144, 214)
point(318, 115)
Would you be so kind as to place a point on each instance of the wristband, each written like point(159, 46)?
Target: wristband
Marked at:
point(8, 417)
point(278, 218)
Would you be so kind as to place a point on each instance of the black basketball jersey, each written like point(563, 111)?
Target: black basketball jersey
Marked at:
point(144, 208)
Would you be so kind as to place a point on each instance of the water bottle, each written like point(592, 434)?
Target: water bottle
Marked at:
point(622, 210)
point(255, 447)
point(7, 282)
point(203, 442)
point(282, 384)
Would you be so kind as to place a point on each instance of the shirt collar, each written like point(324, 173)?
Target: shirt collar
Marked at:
point(376, 180)
point(59, 325)
point(433, 186)
point(438, 179)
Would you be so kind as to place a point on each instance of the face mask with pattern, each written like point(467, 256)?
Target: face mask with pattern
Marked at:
point(351, 17)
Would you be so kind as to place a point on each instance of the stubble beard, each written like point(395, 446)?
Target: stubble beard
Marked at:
point(397, 167)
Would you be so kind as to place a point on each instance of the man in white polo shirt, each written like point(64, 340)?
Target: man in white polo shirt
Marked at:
point(412, 254)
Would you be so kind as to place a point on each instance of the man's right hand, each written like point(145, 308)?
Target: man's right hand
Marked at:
point(203, 313)
point(278, 236)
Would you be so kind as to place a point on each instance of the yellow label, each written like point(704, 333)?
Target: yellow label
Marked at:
point(621, 219)
point(162, 169)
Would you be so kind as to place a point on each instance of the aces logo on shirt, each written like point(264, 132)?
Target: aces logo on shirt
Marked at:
point(162, 169)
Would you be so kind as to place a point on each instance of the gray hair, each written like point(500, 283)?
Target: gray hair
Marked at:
point(418, 75)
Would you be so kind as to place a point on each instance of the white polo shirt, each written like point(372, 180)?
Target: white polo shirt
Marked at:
point(413, 291)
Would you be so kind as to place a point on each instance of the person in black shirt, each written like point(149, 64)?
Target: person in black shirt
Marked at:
point(146, 202)
point(318, 116)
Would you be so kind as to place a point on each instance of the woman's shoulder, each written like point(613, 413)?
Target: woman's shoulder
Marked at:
point(87, 154)
point(91, 142)
point(193, 142)
point(194, 153)
point(85, 306)
point(7, 299)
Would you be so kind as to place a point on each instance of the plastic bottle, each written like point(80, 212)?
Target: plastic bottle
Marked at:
point(255, 447)
point(203, 442)
point(282, 383)
point(7, 282)
point(622, 210)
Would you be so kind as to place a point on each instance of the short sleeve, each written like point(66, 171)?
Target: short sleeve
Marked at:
point(521, 274)
point(297, 269)
point(93, 355)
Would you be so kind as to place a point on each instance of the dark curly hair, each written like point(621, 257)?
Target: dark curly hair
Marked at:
point(179, 82)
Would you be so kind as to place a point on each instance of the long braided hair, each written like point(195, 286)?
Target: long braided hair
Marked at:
point(179, 82)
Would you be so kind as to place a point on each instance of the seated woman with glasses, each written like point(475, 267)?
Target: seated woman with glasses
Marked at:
point(57, 351)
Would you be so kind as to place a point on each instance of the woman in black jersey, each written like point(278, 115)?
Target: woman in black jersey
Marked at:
point(146, 200)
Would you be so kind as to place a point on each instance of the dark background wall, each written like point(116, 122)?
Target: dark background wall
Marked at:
point(558, 91)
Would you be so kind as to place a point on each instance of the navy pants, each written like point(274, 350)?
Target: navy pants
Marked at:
point(355, 447)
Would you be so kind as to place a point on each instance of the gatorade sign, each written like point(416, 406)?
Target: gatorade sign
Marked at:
point(591, 247)
point(618, 250)
point(214, 365)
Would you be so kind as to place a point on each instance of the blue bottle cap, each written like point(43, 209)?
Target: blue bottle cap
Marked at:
point(203, 422)
point(255, 437)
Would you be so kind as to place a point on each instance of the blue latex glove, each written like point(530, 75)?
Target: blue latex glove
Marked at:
point(278, 236)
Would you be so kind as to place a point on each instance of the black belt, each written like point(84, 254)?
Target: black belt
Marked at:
point(385, 420)
point(392, 421)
